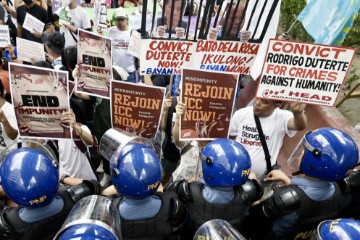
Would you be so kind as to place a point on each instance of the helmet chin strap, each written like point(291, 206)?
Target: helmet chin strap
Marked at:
point(297, 173)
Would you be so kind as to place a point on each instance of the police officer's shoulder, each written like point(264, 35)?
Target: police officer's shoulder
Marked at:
point(6, 231)
point(181, 188)
point(285, 200)
point(351, 183)
point(250, 191)
point(178, 212)
point(86, 188)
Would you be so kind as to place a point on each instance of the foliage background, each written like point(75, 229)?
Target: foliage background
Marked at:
point(290, 9)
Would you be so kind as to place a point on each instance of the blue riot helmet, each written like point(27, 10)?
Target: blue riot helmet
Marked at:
point(136, 171)
point(327, 153)
point(338, 229)
point(87, 231)
point(217, 229)
point(29, 177)
point(93, 217)
point(225, 163)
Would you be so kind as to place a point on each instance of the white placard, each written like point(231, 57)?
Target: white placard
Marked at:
point(135, 44)
point(310, 73)
point(32, 24)
point(29, 49)
point(4, 36)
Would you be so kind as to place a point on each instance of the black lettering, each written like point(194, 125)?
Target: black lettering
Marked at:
point(40, 101)
point(93, 61)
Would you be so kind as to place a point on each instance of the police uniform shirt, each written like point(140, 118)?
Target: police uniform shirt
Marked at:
point(133, 209)
point(217, 195)
point(36, 214)
point(316, 190)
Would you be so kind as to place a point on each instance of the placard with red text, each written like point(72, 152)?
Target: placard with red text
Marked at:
point(40, 96)
point(95, 64)
point(136, 108)
point(310, 73)
point(225, 56)
point(165, 57)
point(209, 99)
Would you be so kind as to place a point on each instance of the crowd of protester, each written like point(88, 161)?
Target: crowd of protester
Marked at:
point(167, 192)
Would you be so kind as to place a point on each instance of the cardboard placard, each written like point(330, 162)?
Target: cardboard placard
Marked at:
point(309, 73)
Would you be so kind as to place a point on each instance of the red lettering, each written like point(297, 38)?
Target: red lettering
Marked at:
point(332, 76)
point(338, 51)
point(151, 45)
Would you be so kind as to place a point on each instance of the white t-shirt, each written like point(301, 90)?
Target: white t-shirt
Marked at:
point(79, 18)
point(72, 161)
point(9, 112)
point(243, 126)
point(190, 165)
point(120, 43)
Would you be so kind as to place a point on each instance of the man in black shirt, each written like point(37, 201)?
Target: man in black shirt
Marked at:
point(36, 11)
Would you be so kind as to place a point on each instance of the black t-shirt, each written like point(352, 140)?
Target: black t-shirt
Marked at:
point(2, 14)
point(37, 12)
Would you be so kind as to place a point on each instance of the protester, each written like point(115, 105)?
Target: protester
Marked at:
point(8, 123)
point(79, 19)
point(36, 11)
point(178, 26)
point(73, 159)
point(190, 150)
point(4, 76)
point(120, 35)
point(275, 124)
point(170, 153)
point(82, 104)
point(2, 16)
point(54, 45)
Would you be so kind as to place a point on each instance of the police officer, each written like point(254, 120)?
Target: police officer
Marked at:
point(351, 186)
point(144, 212)
point(338, 229)
point(30, 178)
point(225, 191)
point(93, 217)
point(323, 157)
point(217, 229)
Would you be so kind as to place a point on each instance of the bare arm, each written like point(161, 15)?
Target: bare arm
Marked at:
point(71, 181)
point(278, 175)
point(9, 130)
point(44, 4)
point(19, 30)
point(180, 109)
point(8, 9)
point(165, 112)
point(299, 121)
point(110, 190)
point(69, 117)
point(85, 136)
point(82, 96)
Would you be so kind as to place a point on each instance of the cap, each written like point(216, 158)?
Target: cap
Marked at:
point(120, 13)
point(54, 40)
